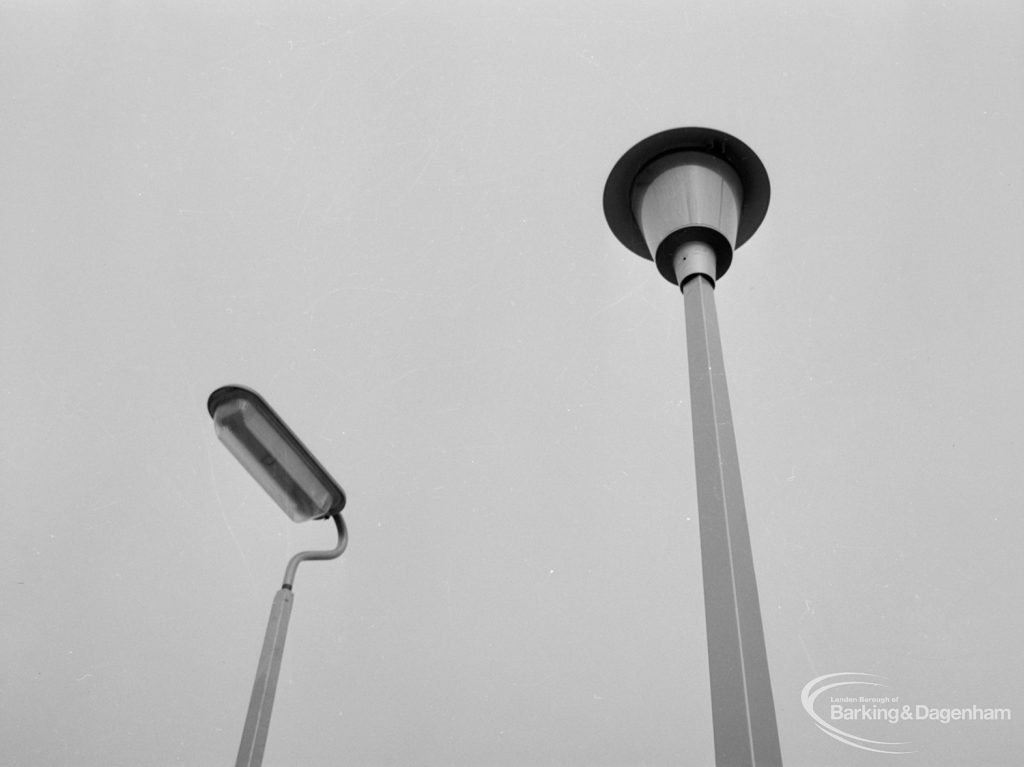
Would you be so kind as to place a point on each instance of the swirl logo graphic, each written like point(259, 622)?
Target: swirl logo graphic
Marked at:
point(855, 707)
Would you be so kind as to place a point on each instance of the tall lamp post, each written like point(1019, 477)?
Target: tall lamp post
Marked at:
point(686, 198)
point(282, 465)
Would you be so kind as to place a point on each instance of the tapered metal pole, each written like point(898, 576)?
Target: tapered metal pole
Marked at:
point(743, 710)
point(261, 702)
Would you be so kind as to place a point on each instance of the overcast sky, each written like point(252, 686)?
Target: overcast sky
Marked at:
point(386, 218)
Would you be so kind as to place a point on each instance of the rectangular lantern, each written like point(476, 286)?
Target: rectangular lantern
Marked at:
point(273, 455)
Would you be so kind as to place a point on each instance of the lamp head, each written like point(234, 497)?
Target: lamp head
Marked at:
point(685, 185)
point(273, 455)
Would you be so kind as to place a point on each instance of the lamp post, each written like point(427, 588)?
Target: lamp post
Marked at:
point(686, 198)
point(282, 465)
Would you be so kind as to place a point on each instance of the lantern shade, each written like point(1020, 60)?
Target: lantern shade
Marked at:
point(683, 197)
point(637, 171)
point(273, 455)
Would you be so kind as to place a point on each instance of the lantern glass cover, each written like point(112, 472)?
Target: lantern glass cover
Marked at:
point(273, 455)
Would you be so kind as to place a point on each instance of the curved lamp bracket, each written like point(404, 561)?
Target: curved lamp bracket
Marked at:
point(302, 556)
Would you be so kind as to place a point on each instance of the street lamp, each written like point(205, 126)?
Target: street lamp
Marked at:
point(686, 198)
point(282, 465)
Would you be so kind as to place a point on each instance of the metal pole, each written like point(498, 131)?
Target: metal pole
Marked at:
point(261, 703)
point(743, 710)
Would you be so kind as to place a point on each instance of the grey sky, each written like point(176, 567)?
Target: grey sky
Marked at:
point(386, 218)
